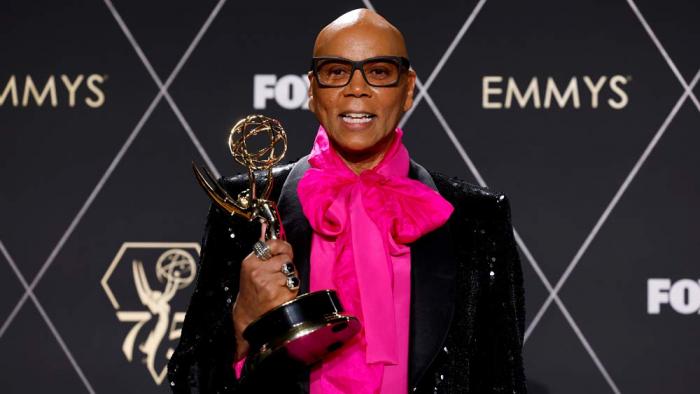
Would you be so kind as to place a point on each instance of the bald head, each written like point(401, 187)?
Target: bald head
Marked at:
point(355, 29)
point(360, 35)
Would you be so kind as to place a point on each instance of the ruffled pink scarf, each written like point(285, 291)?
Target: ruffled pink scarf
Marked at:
point(362, 225)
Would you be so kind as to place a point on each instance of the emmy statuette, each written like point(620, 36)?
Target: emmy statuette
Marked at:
point(312, 325)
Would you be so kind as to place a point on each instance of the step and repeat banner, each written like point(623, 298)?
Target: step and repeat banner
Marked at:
point(586, 114)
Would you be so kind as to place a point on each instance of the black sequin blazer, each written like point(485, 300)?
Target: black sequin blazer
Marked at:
point(467, 311)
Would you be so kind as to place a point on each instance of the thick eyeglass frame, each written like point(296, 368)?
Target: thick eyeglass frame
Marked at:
point(403, 63)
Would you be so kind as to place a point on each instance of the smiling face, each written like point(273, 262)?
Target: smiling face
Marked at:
point(360, 118)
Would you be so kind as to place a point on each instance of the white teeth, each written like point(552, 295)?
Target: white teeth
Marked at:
point(357, 117)
point(349, 119)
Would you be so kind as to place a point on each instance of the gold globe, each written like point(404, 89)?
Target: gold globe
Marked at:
point(267, 132)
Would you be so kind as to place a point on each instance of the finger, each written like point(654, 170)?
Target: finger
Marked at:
point(275, 264)
point(263, 229)
point(278, 246)
point(288, 269)
point(292, 283)
point(251, 259)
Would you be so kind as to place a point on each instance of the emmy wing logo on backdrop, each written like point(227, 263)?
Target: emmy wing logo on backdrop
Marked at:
point(148, 277)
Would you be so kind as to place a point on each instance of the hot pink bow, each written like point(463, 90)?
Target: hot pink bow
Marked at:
point(362, 225)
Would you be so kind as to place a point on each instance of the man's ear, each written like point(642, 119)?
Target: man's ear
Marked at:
point(310, 93)
point(411, 85)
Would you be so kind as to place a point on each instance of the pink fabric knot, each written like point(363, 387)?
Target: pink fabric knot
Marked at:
point(362, 225)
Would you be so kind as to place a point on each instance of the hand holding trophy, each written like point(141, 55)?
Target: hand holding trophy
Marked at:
point(307, 328)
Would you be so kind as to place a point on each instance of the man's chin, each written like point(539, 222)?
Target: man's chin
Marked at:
point(356, 151)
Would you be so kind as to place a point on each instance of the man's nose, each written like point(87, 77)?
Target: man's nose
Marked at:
point(357, 86)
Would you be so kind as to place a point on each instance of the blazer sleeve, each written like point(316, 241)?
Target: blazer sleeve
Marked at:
point(503, 336)
point(203, 360)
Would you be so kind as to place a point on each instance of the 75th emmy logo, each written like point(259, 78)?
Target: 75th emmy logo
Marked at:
point(142, 283)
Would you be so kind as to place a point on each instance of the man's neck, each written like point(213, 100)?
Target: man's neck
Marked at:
point(368, 160)
point(357, 166)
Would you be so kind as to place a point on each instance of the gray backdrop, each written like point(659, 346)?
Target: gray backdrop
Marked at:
point(585, 113)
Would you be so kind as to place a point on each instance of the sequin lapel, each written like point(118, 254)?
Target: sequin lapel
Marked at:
point(433, 270)
point(296, 226)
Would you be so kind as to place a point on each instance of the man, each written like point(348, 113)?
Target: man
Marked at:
point(457, 324)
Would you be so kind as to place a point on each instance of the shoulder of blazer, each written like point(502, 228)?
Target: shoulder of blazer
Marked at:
point(470, 199)
point(237, 183)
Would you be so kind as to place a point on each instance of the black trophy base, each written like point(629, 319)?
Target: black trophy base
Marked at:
point(299, 332)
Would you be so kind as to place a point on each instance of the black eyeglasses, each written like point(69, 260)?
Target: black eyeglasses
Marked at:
point(380, 71)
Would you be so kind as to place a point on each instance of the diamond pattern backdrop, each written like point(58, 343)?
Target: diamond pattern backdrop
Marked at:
point(585, 113)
